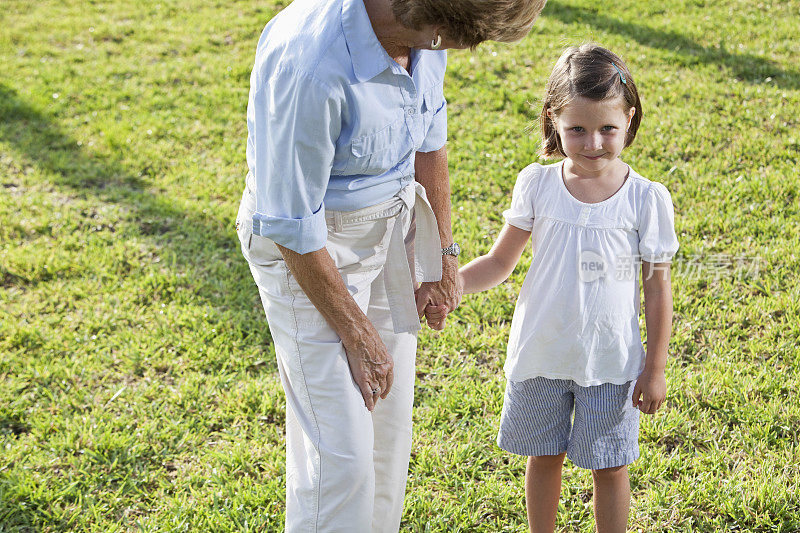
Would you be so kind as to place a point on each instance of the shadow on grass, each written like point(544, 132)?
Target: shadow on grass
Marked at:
point(745, 67)
point(199, 246)
point(203, 249)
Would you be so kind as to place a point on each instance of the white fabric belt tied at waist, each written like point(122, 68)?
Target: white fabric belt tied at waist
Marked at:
point(427, 258)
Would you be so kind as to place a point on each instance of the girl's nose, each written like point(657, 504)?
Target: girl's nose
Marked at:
point(594, 141)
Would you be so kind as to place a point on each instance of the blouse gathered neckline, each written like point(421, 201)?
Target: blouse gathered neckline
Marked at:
point(615, 194)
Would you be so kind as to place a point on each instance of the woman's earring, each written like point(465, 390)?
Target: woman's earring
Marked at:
point(436, 43)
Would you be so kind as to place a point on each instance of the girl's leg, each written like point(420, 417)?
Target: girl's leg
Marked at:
point(612, 499)
point(605, 435)
point(542, 490)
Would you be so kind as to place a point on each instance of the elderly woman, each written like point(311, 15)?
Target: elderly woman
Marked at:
point(346, 209)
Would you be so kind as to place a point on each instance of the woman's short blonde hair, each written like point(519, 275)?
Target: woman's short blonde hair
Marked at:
point(470, 22)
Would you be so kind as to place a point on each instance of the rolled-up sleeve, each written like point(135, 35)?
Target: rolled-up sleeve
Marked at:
point(436, 135)
point(296, 121)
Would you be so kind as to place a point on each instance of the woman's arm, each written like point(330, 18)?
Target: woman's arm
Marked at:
point(651, 387)
point(490, 270)
point(370, 362)
point(430, 169)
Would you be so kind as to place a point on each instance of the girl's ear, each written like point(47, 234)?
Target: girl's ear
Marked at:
point(631, 113)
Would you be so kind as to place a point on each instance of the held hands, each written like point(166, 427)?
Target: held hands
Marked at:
point(370, 364)
point(437, 299)
point(650, 391)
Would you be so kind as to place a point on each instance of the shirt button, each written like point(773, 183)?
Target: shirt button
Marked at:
point(411, 111)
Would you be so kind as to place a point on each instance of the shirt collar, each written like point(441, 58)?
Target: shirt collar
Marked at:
point(368, 56)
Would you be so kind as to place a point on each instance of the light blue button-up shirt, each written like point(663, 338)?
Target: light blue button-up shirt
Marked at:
point(333, 122)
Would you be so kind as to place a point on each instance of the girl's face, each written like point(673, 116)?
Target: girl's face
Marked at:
point(593, 133)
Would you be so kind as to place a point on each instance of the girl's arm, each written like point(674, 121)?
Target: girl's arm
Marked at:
point(651, 387)
point(486, 271)
point(492, 269)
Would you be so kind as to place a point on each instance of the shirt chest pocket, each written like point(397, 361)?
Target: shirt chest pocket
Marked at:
point(375, 153)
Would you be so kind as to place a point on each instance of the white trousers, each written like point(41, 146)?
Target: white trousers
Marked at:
point(346, 468)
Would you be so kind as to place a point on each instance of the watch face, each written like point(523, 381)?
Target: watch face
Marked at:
point(454, 249)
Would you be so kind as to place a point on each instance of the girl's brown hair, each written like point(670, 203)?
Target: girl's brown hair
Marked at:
point(588, 71)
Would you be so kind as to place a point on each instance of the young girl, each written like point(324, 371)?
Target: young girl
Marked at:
point(577, 371)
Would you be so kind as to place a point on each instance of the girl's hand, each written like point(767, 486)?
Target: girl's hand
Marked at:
point(447, 292)
point(436, 315)
point(650, 391)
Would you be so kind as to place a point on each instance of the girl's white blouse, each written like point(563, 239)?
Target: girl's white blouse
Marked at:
point(577, 313)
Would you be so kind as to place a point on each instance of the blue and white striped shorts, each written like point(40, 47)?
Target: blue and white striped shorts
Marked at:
point(597, 426)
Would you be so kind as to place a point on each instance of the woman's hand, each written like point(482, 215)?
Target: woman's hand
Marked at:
point(445, 295)
point(370, 364)
point(650, 391)
point(369, 361)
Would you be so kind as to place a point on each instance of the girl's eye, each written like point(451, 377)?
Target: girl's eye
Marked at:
point(608, 128)
point(576, 129)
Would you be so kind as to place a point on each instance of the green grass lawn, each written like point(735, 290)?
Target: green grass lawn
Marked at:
point(138, 387)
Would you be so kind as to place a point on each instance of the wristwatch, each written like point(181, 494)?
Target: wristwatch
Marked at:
point(454, 249)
